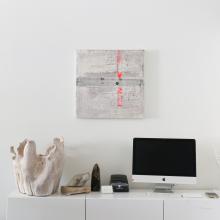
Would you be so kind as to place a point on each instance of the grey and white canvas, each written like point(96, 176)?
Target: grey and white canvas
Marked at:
point(110, 83)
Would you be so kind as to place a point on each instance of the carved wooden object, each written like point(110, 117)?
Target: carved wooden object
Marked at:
point(36, 174)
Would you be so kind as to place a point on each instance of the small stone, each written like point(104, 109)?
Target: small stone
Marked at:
point(95, 182)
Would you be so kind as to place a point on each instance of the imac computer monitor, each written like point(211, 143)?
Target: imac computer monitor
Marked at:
point(163, 160)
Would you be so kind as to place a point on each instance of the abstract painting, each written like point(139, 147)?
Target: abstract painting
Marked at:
point(110, 83)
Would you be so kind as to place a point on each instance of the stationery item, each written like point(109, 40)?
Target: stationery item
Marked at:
point(106, 189)
point(119, 183)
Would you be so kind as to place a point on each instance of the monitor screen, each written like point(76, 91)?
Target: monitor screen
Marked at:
point(164, 157)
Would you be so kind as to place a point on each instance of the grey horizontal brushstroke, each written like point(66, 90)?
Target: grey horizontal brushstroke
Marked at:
point(108, 82)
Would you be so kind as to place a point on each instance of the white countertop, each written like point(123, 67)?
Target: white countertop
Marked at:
point(18, 195)
point(133, 194)
point(149, 194)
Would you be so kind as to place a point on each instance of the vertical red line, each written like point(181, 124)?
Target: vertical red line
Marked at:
point(119, 75)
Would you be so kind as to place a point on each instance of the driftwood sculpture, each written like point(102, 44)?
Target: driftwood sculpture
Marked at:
point(36, 174)
point(77, 185)
point(79, 180)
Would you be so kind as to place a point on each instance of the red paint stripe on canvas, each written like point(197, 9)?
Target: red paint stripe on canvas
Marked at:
point(120, 93)
point(120, 90)
point(119, 75)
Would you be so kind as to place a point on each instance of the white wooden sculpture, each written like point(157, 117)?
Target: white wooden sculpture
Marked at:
point(36, 174)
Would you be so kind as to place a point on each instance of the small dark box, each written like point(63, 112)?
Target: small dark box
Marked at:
point(119, 183)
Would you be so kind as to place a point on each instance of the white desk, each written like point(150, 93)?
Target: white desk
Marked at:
point(135, 205)
point(118, 206)
point(55, 207)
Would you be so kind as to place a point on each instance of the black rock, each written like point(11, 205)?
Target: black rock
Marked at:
point(95, 181)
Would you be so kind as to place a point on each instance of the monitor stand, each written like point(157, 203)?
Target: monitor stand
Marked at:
point(163, 188)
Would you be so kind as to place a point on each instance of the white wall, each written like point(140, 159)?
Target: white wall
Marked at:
point(182, 92)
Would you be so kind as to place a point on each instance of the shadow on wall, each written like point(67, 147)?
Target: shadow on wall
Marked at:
point(151, 83)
